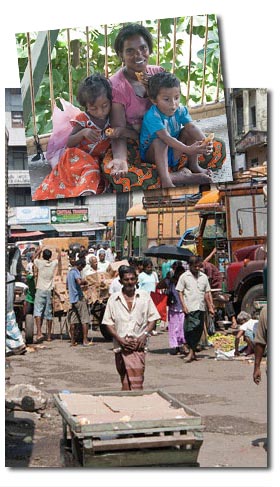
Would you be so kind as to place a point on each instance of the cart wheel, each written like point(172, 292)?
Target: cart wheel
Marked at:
point(105, 333)
point(29, 328)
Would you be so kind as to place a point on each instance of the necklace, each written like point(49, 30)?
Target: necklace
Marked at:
point(137, 87)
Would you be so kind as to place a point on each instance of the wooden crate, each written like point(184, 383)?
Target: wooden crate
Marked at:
point(158, 431)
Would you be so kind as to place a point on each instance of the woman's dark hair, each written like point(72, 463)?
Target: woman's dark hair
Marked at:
point(177, 273)
point(147, 262)
point(131, 30)
point(92, 87)
point(161, 80)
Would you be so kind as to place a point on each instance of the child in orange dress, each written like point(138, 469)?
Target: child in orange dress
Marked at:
point(78, 170)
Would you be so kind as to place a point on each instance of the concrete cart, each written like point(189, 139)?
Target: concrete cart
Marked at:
point(128, 429)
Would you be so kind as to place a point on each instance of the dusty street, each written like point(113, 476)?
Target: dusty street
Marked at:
point(232, 407)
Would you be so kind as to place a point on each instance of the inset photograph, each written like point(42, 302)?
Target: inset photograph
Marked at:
point(116, 108)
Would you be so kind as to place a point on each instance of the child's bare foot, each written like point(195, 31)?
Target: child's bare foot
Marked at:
point(185, 176)
point(166, 184)
point(118, 167)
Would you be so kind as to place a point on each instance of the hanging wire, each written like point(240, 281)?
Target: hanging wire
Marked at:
point(69, 67)
point(190, 60)
point(204, 62)
point(106, 49)
point(87, 38)
point(174, 45)
point(158, 40)
point(31, 84)
point(40, 153)
point(50, 72)
point(218, 81)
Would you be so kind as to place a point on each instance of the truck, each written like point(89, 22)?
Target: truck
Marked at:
point(233, 219)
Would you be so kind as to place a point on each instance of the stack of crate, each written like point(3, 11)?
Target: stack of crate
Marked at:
point(98, 287)
point(60, 293)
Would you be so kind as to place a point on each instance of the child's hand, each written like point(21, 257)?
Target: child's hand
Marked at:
point(92, 135)
point(197, 148)
point(119, 168)
point(143, 78)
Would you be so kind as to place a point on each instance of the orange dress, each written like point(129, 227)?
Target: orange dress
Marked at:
point(78, 169)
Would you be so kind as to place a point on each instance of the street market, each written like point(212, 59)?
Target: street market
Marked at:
point(39, 377)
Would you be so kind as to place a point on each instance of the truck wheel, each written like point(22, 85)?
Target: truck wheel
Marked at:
point(29, 328)
point(105, 333)
point(255, 293)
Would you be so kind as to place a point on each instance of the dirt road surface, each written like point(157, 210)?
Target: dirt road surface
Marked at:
point(232, 407)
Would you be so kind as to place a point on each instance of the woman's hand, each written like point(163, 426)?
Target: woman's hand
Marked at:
point(119, 168)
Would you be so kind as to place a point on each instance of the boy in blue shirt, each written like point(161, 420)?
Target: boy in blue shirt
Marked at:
point(78, 313)
point(168, 132)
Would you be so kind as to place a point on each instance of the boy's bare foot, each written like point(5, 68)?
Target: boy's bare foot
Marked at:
point(185, 177)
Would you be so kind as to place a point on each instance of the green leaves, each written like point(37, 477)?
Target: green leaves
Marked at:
point(169, 53)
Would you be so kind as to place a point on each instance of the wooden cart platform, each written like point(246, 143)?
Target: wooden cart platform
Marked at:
point(128, 429)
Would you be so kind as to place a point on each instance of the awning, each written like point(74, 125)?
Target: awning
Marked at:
point(136, 211)
point(78, 227)
point(26, 234)
point(44, 227)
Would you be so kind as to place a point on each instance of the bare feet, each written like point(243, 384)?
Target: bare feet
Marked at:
point(119, 168)
point(39, 339)
point(185, 176)
point(190, 357)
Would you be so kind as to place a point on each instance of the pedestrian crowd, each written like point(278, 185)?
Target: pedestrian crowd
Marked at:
point(141, 301)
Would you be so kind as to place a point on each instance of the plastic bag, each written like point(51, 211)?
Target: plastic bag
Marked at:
point(61, 130)
point(211, 330)
point(160, 301)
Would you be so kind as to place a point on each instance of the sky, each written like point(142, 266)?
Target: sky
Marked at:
point(248, 36)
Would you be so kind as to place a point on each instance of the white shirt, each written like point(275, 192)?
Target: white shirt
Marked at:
point(46, 271)
point(110, 256)
point(115, 286)
point(130, 322)
point(250, 325)
point(148, 282)
point(194, 289)
point(103, 266)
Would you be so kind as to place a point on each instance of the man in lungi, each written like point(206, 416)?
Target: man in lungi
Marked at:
point(194, 292)
point(130, 316)
point(79, 313)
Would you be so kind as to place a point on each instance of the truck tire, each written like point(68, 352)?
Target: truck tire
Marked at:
point(255, 293)
point(29, 328)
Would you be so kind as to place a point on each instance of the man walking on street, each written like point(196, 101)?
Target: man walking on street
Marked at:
point(78, 314)
point(44, 286)
point(194, 290)
point(130, 316)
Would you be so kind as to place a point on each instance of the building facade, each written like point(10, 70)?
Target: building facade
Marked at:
point(32, 220)
point(247, 123)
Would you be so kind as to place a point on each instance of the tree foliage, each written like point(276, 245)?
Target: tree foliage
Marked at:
point(172, 55)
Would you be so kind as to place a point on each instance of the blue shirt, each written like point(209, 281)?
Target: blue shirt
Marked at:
point(154, 120)
point(74, 289)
